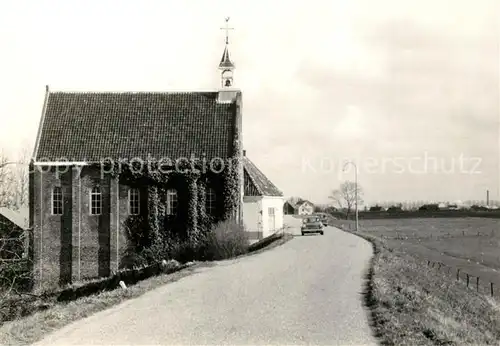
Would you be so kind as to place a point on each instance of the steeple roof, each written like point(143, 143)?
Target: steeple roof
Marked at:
point(225, 61)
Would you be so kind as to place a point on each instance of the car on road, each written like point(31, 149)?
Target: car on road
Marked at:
point(312, 224)
point(323, 218)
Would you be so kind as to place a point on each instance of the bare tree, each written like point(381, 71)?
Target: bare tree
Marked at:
point(14, 263)
point(6, 181)
point(14, 179)
point(14, 268)
point(294, 200)
point(21, 179)
point(345, 196)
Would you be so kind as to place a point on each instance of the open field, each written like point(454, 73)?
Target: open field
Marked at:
point(412, 214)
point(413, 304)
point(471, 244)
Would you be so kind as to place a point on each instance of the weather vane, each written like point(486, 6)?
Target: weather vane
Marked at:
point(227, 28)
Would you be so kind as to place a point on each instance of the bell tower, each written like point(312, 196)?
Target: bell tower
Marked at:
point(226, 66)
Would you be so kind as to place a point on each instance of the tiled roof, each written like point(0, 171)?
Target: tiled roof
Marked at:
point(256, 181)
point(91, 126)
point(18, 218)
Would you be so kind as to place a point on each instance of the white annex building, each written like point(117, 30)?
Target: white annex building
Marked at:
point(262, 203)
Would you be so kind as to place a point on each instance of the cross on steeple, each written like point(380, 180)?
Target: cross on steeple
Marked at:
point(227, 28)
point(226, 66)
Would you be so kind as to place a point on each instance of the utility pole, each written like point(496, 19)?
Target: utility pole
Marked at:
point(355, 189)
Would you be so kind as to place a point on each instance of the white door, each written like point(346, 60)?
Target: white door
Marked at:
point(271, 220)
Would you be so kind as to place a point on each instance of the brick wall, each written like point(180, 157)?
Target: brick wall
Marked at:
point(52, 234)
point(77, 245)
point(95, 229)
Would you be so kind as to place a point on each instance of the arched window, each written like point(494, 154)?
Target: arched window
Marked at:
point(172, 202)
point(133, 201)
point(95, 201)
point(210, 205)
point(57, 201)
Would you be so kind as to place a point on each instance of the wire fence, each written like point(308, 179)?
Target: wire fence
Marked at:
point(472, 281)
point(416, 236)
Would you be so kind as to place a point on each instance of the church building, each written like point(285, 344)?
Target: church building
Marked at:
point(170, 161)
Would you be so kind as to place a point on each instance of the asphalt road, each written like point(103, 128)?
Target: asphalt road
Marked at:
point(307, 291)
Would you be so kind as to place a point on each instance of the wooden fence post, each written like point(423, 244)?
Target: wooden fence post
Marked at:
point(491, 288)
point(458, 274)
point(467, 279)
point(477, 284)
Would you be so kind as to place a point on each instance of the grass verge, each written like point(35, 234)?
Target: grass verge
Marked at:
point(33, 328)
point(272, 244)
point(412, 304)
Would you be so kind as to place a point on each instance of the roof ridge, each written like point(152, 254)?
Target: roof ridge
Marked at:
point(179, 91)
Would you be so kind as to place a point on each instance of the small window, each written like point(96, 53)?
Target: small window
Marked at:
point(270, 211)
point(210, 205)
point(57, 201)
point(95, 201)
point(172, 202)
point(133, 201)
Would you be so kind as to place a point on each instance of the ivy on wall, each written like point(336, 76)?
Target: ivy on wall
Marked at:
point(232, 192)
point(192, 212)
point(153, 220)
point(193, 173)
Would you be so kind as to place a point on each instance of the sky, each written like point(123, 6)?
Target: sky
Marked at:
point(407, 90)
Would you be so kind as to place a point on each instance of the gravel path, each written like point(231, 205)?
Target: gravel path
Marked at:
point(307, 291)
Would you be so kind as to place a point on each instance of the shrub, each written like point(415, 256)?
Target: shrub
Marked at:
point(15, 275)
point(185, 251)
point(223, 240)
point(429, 207)
point(478, 208)
point(226, 239)
point(394, 208)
